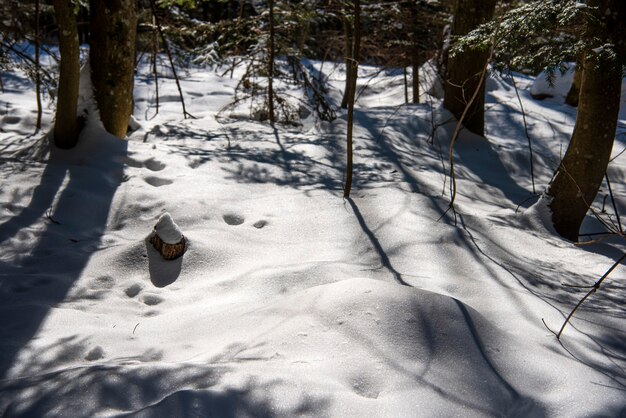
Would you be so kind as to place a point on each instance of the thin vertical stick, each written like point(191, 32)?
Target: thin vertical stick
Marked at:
point(406, 87)
point(37, 66)
point(530, 145)
point(459, 124)
point(270, 67)
point(595, 287)
point(619, 222)
point(169, 56)
point(155, 51)
point(354, 73)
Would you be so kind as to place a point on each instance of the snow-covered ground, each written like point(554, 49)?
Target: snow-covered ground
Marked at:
point(290, 300)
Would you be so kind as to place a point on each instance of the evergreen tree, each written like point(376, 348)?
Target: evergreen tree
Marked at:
point(580, 174)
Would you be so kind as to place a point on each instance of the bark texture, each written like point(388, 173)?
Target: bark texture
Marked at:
point(580, 174)
point(351, 93)
point(168, 251)
point(464, 69)
point(572, 95)
point(270, 67)
point(66, 125)
point(113, 30)
point(348, 38)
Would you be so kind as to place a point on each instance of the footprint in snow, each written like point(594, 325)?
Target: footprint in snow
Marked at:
point(154, 165)
point(157, 182)
point(95, 353)
point(233, 219)
point(260, 224)
point(133, 290)
point(11, 120)
point(152, 300)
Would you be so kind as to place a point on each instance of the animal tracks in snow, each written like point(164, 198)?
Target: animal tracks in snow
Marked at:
point(151, 164)
point(236, 219)
point(233, 219)
point(152, 300)
point(133, 290)
point(260, 224)
point(154, 165)
point(157, 181)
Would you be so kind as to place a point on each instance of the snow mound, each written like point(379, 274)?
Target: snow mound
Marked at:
point(331, 350)
point(542, 87)
point(167, 230)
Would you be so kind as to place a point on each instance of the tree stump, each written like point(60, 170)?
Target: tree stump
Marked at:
point(167, 238)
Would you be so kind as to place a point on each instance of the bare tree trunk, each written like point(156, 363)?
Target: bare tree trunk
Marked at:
point(170, 59)
point(354, 71)
point(580, 174)
point(112, 55)
point(155, 53)
point(37, 67)
point(66, 126)
point(406, 86)
point(347, 29)
point(416, 78)
point(270, 68)
point(464, 69)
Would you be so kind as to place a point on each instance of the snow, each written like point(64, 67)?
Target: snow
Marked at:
point(167, 230)
point(290, 300)
point(542, 87)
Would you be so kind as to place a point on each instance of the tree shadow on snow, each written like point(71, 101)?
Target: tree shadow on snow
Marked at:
point(75, 199)
point(162, 272)
point(141, 388)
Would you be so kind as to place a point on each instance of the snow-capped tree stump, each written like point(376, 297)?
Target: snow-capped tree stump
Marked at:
point(167, 238)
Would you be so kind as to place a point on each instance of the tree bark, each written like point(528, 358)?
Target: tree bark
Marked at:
point(416, 78)
point(66, 125)
point(37, 66)
point(572, 95)
point(580, 174)
point(347, 29)
point(113, 30)
point(354, 71)
point(464, 69)
point(270, 67)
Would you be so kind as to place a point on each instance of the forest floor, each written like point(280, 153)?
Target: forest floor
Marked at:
point(290, 300)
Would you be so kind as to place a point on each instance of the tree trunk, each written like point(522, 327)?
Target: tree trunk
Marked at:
point(572, 95)
point(354, 71)
point(347, 29)
point(580, 174)
point(66, 126)
point(112, 54)
point(37, 67)
point(464, 69)
point(416, 78)
point(270, 67)
point(155, 60)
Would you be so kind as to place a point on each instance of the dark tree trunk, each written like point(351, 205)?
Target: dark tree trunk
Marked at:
point(270, 67)
point(416, 78)
point(66, 126)
point(112, 54)
point(155, 62)
point(572, 95)
point(580, 174)
point(464, 69)
point(354, 71)
point(348, 34)
point(37, 67)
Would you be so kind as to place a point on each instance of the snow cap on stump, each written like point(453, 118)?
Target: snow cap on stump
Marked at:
point(167, 238)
